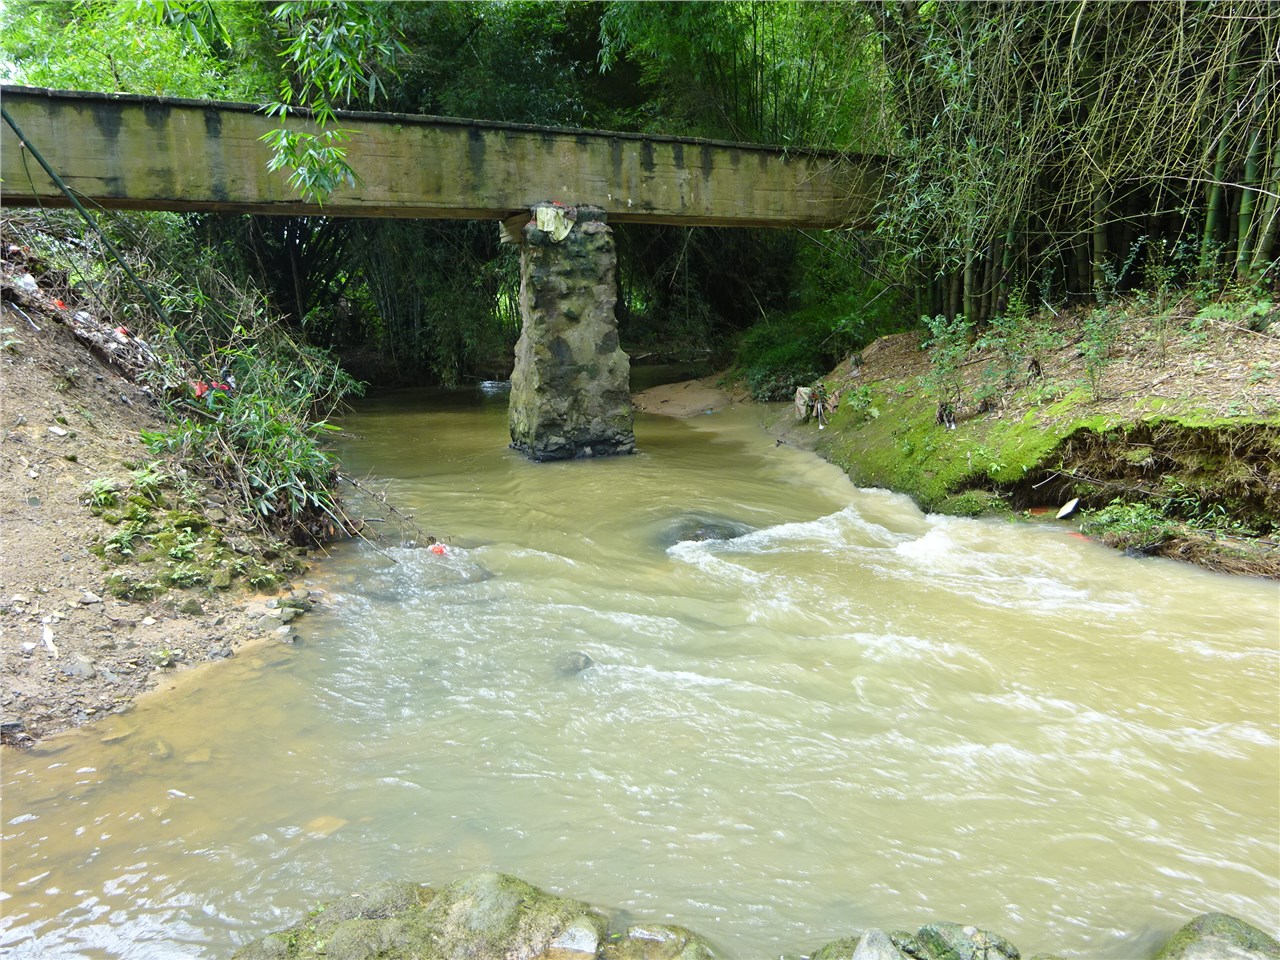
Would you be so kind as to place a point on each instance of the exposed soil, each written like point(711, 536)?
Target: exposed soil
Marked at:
point(690, 398)
point(69, 650)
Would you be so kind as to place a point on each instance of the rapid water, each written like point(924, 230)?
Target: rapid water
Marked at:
point(853, 715)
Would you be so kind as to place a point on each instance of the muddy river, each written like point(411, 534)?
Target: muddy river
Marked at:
point(849, 715)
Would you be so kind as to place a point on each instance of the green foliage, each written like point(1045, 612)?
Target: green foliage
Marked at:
point(335, 54)
point(1099, 330)
point(948, 345)
point(1093, 148)
point(122, 46)
point(779, 354)
point(1138, 525)
point(787, 72)
point(1256, 314)
point(860, 403)
point(260, 435)
point(443, 297)
point(149, 481)
point(103, 492)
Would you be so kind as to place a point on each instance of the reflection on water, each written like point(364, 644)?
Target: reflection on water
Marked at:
point(847, 714)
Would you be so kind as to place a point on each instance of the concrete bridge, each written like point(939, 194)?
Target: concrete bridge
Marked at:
point(553, 190)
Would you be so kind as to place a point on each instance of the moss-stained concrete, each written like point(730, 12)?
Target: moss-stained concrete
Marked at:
point(150, 153)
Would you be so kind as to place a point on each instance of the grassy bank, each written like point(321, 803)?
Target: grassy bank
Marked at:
point(1168, 434)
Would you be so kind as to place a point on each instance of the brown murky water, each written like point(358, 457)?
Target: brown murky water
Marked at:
point(853, 715)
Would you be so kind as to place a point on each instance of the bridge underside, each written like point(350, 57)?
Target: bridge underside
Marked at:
point(569, 396)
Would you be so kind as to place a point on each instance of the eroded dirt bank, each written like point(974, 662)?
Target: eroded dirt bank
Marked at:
point(84, 626)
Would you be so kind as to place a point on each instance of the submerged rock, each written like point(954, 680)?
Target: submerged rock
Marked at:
point(702, 526)
point(1219, 936)
point(573, 663)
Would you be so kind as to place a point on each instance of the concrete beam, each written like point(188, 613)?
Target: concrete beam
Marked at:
point(148, 153)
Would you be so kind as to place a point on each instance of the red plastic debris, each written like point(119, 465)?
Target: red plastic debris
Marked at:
point(438, 549)
point(202, 388)
point(59, 304)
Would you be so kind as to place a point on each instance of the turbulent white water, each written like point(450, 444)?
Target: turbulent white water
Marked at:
point(854, 715)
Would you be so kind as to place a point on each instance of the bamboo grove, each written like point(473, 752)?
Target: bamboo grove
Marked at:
point(1079, 150)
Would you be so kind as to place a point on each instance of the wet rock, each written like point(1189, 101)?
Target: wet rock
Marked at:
point(872, 945)
point(876, 945)
point(954, 941)
point(573, 663)
point(657, 942)
point(702, 526)
point(841, 949)
point(581, 941)
point(495, 915)
point(484, 917)
point(1219, 936)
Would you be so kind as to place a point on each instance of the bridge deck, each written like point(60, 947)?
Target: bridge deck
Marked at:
point(132, 152)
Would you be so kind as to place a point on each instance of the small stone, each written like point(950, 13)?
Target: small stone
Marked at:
point(28, 647)
point(148, 621)
point(80, 666)
point(191, 607)
point(159, 749)
point(89, 598)
point(203, 755)
point(325, 826)
point(57, 431)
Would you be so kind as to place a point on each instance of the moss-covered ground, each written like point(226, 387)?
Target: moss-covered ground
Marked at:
point(1173, 452)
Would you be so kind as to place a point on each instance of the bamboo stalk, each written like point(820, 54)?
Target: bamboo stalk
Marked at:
point(1269, 222)
point(1244, 249)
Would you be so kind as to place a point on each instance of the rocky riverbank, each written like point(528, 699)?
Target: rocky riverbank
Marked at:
point(490, 916)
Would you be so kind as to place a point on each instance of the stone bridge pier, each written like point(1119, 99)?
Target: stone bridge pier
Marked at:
point(571, 387)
